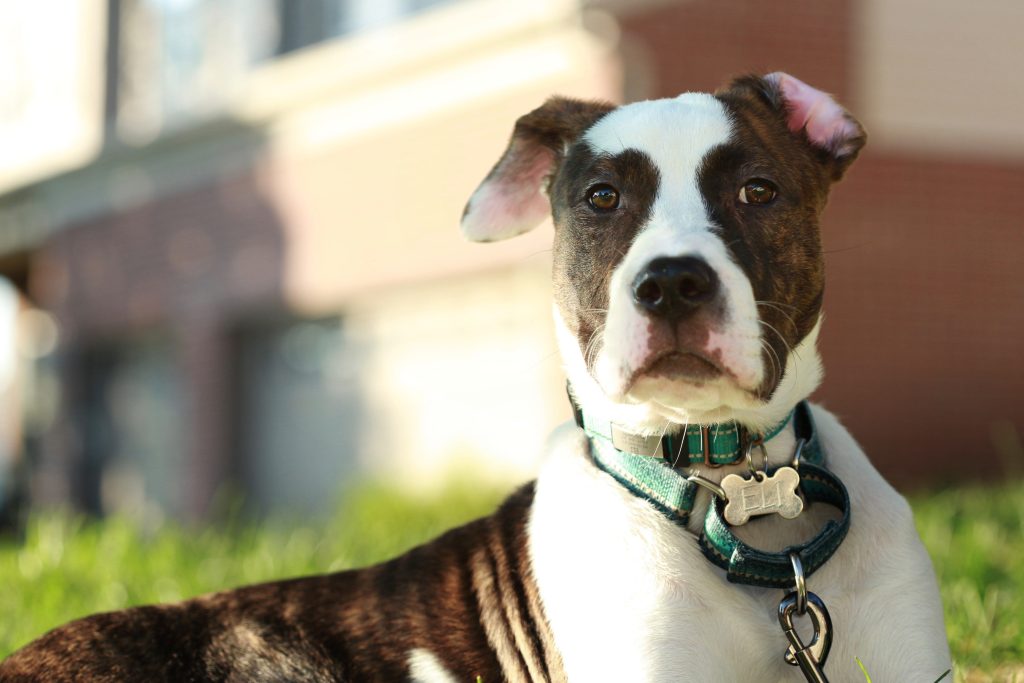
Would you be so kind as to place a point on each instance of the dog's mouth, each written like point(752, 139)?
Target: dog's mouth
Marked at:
point(680, 366)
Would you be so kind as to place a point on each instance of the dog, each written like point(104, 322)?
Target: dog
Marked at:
point(688, 283)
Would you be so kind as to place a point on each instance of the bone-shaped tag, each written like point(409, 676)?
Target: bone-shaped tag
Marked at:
point(749, 497)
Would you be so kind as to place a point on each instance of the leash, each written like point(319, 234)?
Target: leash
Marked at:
point(655, 469)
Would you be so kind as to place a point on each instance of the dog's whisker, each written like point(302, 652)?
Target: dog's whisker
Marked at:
point(777, 307)
point(774, 358)
point(682, 446)
point(593, 346)
point(785, 343)
point(534, 254)
point(777, 304)
point(781, 309)
point(664, 431)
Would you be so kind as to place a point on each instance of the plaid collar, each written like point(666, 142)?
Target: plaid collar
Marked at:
point(708, 445)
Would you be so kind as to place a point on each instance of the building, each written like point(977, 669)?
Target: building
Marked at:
point(233, 227)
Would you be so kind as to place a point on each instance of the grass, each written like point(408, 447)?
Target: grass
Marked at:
point(867, 676)
point(975, 536)
point(67, 567)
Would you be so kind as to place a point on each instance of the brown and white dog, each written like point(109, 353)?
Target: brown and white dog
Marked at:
point(688, 281)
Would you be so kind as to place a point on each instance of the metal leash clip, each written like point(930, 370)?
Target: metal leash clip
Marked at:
point(810, 657)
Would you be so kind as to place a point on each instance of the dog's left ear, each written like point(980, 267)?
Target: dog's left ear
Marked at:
point(818, 118)
point(512, 198)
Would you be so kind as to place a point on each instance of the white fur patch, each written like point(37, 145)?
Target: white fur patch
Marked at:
point(676, 135)
point(424, 667)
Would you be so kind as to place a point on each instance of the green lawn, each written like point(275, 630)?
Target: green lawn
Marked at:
point(976, 540)
point(68, 567)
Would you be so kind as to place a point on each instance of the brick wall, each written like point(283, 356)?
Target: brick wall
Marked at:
point(698, 45)
point(925, 313)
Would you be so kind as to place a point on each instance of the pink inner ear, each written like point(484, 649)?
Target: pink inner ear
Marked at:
point(822, 119)
point(511, 200)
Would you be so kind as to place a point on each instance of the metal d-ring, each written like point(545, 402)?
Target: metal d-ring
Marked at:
point(708, 484)
point(798, 455)
point(801, 583)
point(759, 442)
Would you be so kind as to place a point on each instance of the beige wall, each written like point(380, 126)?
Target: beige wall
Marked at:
point(462, 377)
point(51, 87)
point(942, 76)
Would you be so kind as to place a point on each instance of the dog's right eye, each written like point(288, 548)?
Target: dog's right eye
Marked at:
point(758, 191)
point(603, 197)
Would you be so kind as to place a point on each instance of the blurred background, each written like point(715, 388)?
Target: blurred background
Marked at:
point(230, 254)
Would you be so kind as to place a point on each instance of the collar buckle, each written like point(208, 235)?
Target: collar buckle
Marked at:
point(705, 447)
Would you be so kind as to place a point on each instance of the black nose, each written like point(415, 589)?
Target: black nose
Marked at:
point(674, 287)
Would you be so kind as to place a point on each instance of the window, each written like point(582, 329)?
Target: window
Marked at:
point(306, 22)
point(176, 60)
point(301, 414)
point(133, 447)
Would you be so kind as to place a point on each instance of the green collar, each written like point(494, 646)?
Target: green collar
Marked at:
point(646, 471)
point(708, 445)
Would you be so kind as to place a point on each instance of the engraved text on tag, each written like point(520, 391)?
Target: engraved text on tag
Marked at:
point(774, 493)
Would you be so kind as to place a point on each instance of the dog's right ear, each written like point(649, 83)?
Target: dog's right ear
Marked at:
point(820, 119)
point(512, 198)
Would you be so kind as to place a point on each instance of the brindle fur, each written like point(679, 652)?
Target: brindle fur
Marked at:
point(467, 597)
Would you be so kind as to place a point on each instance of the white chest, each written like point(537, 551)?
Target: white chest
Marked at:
point(630, 597)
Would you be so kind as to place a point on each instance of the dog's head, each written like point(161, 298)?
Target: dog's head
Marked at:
point(688, 271)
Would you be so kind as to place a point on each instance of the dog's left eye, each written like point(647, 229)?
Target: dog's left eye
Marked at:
point(757, 191)
point(603, 197)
